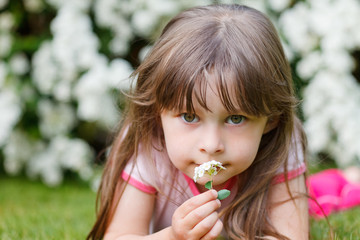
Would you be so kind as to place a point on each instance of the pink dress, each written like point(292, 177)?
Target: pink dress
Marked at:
point(172, 188)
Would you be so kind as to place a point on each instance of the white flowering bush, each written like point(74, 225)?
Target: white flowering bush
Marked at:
point(324, 42)
point(63, 64)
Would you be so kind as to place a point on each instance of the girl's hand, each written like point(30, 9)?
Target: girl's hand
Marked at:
point(197, 218)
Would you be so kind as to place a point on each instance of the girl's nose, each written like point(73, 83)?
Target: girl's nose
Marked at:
point(212, 142)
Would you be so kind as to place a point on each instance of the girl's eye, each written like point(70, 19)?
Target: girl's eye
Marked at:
point(189, 117)
point(235, 119)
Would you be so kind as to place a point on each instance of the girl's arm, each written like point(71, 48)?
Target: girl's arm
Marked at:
point(132, 215)
point(291, 217)
point(196, 218)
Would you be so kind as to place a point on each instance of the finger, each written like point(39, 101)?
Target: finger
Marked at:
point(202, 212)
point(195, 202)
point(203, 227)
point(214, 232)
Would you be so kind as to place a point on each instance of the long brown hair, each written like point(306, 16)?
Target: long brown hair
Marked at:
point(240, 47)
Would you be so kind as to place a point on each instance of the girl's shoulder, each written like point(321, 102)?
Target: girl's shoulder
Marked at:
point(148, 172)
point(296, 163)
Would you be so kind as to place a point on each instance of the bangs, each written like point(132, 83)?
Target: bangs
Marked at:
point(238, 87)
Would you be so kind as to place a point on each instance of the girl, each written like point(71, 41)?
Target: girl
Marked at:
point(216, 85)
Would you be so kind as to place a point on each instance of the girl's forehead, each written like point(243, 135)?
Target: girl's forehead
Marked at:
point(235, 88)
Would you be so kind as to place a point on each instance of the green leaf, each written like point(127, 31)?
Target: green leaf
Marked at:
point(208, 185)
point(222, 194)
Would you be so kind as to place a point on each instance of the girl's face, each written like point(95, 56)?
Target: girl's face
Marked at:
point(231, 138)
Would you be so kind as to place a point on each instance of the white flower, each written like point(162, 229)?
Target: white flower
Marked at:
point(62, 91)
point(75, 47)
point(332, 115)
point(107, 12)
point(6, 42)
point(95, 101)
point(55, 118)
point(310, 64)
point(206, 166)
point(119, 73)
point(295, 26)
point(44, 69)
point(82, 5)
point(62, 153)
point(317, 129)
point(259, 5)
point(95, 183)
point(73, 154)
point(338, 61)
point(7, 21)
point(114, 14)
point(211, 168)
point(332, 90)
point(163, 7)
point(14, 158)
point(3, 73)
point(73, 50)
point(144, 22)
point(3, 3)
point(321, 15)
point(10, 111)
point(19, 64)
point(199, 172)
point(46, 165)
point(35, 6)
point(143, 52)
point(279, 5)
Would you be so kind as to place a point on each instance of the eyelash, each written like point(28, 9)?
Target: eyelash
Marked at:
point(228, 120)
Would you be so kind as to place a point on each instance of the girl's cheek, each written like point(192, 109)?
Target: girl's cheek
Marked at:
point(248, 153)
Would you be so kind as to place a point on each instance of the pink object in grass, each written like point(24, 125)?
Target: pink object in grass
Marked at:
point(332, 192)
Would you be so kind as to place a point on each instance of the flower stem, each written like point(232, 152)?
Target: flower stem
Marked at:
point(209, 184)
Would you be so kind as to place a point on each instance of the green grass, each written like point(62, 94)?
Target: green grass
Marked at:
point(30, 211)
point(345, 225)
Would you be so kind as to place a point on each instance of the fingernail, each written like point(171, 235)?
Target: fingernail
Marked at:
point(218, 201)
point(214, 193)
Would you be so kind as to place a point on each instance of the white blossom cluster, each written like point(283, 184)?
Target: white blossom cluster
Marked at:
point(210, 168)
point(66, 69)
point(71, 81)
point(10, 103)
point(324, 34)
point(49, 161)
point(58, 66)
point(127, 19)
